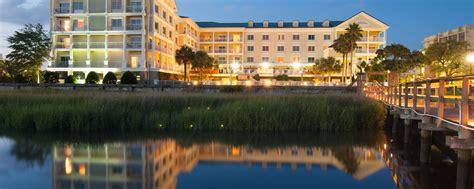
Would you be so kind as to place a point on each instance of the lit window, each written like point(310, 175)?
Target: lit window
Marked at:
point(280, 59)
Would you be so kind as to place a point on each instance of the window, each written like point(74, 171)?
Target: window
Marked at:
point(116, 24)
point(281, 48)
point(221, 60)
point(78, 7)
point(157, 26)
point(462, 36)
point(311, 37)
point(250, 37)
point(157, 9)
point(281, 37)
point(171, 19)
point(116, 5)
point(250, 59)
point(265, 59)
point(327, 37)
point(78, 24)
point(280, 59)
point(265, 37)
point(296, 59)
point(296, 48)
point(250, 48)
point(311, 48)
point(311, 59)
point(164, 15)
point(265, 48)
point(296, 37)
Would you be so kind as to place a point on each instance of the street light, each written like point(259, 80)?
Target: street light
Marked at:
point(297, 66)
point(234, 66)
point(470, 60)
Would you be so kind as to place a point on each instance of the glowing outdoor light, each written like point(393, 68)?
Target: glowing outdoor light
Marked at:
point(248, 83)
point(235, 66)
point(68, 166)
point(470, 58)
point(195, 83)
point(268, 83)
point(385, 146)
point(265, 65)
point(296, 65)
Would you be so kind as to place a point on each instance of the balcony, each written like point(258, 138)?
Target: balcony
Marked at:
point(115, 28)
point(62, 10)
point(134, 8)
point(206, 40)
point(62, 45)
point(61, 65)
point(97, 45)
point(372, 39)
point(79, 45)
point(78, 29)
point(366, 51)
point(221, 40)
point(134, 27)
point(220, 51)
point(235, 51)
point(235, 40)
point(115, 45)
point(62, 28)
point(134, 45)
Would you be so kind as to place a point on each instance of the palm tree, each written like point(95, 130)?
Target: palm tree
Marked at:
point(342, 45)
point(202, 61)
point(184, 56)
point(327, 66)
point(354, 34)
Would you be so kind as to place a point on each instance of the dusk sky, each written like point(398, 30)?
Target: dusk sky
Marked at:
point(410, 20)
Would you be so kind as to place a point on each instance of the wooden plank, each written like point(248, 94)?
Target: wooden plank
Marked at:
point(427, 98)
point(456, 143)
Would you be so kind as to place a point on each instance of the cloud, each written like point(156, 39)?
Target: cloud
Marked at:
point(24, 11)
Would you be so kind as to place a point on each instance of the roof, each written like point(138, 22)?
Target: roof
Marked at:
point(260, 24)
point(275, 24)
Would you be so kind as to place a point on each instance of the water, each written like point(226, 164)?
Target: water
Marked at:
point(185, 161)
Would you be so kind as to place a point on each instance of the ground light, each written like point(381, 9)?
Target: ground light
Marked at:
point(470, 60)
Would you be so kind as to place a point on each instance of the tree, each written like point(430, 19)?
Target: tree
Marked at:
point(343, 45)
point(51, 77)
point(202, 61)
point(185, 56)
point(128, 78)
point(396, 58)
point(92, 78)
point(70, 79)
point(110, 79)
point(362, 67)
point(31, 47)
point(327, 66)
point(375, 67)
point(354, 34)
point(448, 57)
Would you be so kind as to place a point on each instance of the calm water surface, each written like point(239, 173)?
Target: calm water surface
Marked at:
point(194, 161)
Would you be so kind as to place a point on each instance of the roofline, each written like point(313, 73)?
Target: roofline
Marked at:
point(369, 15)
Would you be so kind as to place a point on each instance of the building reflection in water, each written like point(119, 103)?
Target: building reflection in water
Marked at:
point(156, 164)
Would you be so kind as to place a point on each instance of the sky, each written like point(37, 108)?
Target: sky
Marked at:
point(410, 20)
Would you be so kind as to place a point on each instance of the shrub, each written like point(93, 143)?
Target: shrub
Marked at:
point(92, 78)
point(51, 77)
point(256, 77)
point(282, 78)
point(232, 89)
point(70, 79)
point(110, 79)
point(128, 78)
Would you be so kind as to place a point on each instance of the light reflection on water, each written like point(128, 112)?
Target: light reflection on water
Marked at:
point(171, 163)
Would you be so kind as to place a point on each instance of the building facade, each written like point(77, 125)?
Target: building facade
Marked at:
point(463, 33)
point(143, 35)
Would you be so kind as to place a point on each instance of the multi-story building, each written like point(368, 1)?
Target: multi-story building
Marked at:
point(463, 33)
point(143, 35)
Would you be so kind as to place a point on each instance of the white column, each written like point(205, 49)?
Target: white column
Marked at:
point(124, 55)
point(88, 59)
point(106, 59)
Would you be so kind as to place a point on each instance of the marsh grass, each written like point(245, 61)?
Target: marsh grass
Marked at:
point(72, 111)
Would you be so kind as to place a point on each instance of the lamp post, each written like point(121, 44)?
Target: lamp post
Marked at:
point(297, 66)
point(470, 60)
point(234, 66)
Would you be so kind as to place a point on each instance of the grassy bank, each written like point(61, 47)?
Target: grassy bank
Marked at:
point(104, 111)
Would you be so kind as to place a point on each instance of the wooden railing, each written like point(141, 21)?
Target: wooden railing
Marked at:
point(447, 99)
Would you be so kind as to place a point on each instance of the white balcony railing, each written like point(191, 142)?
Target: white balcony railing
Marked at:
point(206, 40)
point(134, 27)
point(79, 45)
point(134, 45)
point(134, 8)
point(97, 45)
point(115, 45)
point(62, 10)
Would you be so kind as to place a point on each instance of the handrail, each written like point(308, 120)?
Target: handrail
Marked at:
point(392, 95)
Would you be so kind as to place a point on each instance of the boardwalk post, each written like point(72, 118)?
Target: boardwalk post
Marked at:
point(441, 101)
point(427, 106)
point(400, 90)
point(415, 94)
point(464, 155)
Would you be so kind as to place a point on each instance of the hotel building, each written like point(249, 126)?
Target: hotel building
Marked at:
point(143, 35)
point(463, 33)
